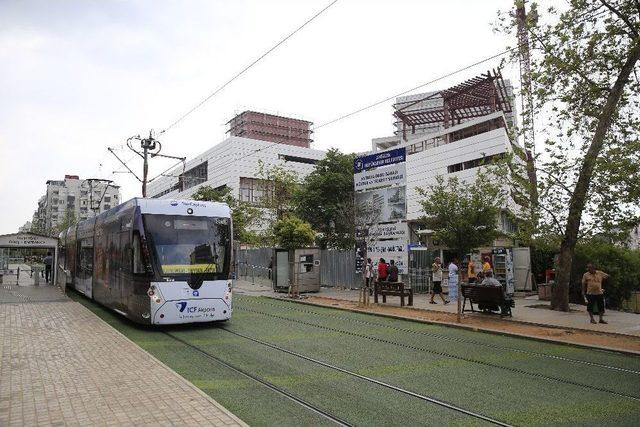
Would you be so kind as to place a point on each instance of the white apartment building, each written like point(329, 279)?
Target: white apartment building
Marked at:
point(235, 163)
point(85, 198)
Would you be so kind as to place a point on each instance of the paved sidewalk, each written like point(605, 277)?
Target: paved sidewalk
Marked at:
point(619, 322)
point(61, 365)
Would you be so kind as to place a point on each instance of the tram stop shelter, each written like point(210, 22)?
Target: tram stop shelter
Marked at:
point(13, 248)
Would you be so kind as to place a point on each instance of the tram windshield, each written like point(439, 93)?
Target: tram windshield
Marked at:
point(186, 245)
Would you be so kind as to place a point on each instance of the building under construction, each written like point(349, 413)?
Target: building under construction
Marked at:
point(271, 128)
point(435, 111)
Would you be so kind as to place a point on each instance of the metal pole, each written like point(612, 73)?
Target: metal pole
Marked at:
point(145, 170)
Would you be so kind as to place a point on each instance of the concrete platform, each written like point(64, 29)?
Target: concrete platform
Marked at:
point(61, 365)
point(619, 322)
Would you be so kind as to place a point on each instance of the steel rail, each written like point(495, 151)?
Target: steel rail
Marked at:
point(452, 356)
point(459, 340)
point(265, 383)
point(373, 380)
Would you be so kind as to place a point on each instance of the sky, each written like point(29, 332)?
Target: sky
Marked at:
point(79, 76)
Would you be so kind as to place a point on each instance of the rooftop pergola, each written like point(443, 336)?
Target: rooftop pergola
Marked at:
point(475, 97)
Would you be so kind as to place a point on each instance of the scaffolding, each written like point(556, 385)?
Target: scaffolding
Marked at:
point(476, 97)
point(271, 128)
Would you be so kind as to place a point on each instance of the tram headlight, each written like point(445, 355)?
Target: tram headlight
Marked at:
point(152, 291)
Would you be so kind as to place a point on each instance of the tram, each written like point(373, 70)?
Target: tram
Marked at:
point(154, 261)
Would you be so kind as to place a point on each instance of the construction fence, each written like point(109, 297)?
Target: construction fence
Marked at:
point(337, 269)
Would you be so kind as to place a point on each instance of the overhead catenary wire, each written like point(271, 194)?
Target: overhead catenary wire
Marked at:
point(584, 17)
point(245, 69)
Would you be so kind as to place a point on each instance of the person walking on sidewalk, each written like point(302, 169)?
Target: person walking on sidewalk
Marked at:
point(593, 293)
point(368, 275)
point(436, 277)
point(48, 262)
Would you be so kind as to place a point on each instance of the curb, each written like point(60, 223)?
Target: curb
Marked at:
point(476, 328)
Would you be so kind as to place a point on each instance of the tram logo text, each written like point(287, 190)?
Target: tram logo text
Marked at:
point(181, 306)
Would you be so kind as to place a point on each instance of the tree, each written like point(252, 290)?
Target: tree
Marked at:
point(291, 232)
point(462, 215)
point(68, 221)
point(586, 84)
point(325, 200)
point(243, 215)
point(279, 187)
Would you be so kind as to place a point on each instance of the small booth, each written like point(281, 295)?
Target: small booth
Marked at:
point(301, 266)
point(22, 253)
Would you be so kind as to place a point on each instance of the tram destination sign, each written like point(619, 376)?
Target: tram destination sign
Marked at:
point(384, 158)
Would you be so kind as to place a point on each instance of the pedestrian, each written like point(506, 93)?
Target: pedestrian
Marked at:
point(393, 271)
point(368, 275)
point(472, 274)
point(487, 264)
point(593, 293)
point(436, 278)
point(452, 284)
point(48, 261)
point(270, 272)
point(382, 270)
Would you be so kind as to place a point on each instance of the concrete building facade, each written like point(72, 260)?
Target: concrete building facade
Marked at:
point(72, 195)
point(235, 163)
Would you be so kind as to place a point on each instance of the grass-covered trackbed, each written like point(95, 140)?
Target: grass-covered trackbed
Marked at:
point(281, 363)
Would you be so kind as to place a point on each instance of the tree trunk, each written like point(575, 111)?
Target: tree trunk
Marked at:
point(560, 296)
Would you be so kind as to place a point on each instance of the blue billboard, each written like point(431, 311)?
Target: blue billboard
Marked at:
point(383, 158)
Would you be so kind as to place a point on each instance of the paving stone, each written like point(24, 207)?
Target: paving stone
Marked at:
point(61, 365)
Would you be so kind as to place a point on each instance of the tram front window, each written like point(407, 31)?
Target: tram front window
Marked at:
point(190, 245)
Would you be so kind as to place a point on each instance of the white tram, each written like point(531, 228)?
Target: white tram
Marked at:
point(154, 261)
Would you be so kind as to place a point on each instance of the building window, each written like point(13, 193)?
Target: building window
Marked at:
point(288, 158)
point(107, 199)
point(253, 190)
point(474, 163)
point(193, 176)
point(107, 207)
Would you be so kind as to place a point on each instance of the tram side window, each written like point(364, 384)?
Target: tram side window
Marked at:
point(138, 266)
point(86, 258)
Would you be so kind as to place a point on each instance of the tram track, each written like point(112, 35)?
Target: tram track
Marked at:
point(325, 414)
point(451, 339)
point(263, 382)
point(444, 354)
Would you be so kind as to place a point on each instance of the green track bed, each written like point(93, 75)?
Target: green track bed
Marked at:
point(514, 380)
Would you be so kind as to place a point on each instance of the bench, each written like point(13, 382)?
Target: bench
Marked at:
point(394, 289)
point(488, 298)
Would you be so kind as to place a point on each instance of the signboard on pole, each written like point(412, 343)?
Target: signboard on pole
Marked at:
point(384, 158)
point(381, 177)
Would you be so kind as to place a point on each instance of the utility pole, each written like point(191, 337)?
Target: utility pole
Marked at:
point(149, 149)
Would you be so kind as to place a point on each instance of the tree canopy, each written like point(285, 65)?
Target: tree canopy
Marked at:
point(586, 92)
point(291, 232)
point(462, 215)
point(325, 200)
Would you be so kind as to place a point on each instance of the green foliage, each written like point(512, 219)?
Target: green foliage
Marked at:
point(623, 265)
point(326, 200)
point(462, 215)
point(291, 232)
point(243, 215)
point(578, 51)
point(280, 186)
point(69, 221)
